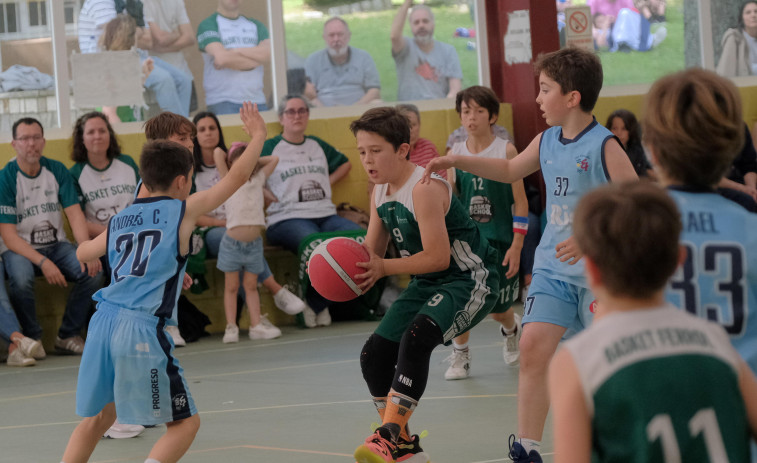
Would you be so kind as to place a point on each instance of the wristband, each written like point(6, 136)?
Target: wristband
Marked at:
point(42, 261)
point(520, 224)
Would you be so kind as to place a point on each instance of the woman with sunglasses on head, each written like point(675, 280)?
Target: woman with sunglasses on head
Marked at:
point(301, 183)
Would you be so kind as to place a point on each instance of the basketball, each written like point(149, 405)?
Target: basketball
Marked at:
point(332, 268)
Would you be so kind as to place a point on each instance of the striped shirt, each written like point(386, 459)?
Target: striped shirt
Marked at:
point(423, 153)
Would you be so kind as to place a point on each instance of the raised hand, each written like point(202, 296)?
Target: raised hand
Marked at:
point(252, 121)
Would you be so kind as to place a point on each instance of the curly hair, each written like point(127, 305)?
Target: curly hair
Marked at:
point(79, 151)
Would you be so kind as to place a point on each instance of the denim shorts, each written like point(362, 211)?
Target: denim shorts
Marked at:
point(234, 256)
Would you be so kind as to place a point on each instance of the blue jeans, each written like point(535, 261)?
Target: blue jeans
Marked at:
point(8, 321)
point(228, 107)
point(21, 275)
point(289, 234)
point(172, 87)
point(213, 244)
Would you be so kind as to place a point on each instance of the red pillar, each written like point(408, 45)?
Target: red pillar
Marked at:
point(516, 83)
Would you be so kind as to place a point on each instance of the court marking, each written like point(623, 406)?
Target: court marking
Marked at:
point(277, 407)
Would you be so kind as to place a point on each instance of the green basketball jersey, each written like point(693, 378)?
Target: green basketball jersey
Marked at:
point(468, 249)
point(661, 386)
point(489, 203)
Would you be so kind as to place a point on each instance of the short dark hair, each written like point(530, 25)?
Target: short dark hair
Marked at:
point(385, 121)
point(574, 69)
point(165, 124)
point(197, 151)
point(26, 121)
point(482, 96)
point(286, 98)
point(635, 257)
point(161, 162)
point(79, 151)
point(631, 123)
point(694, 125)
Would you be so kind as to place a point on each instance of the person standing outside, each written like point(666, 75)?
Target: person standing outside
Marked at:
point(426, 68)
point(34, 190)
point(171, 32)
point(342, 75)
point(235, 49)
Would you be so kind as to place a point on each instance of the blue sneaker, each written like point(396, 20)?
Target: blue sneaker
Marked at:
point(518, 453)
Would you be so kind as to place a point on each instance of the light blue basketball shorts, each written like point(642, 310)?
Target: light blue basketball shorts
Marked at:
point(560, 303)
point(128, 360)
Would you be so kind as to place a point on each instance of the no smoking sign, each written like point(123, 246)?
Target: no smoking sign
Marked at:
point(578, 27)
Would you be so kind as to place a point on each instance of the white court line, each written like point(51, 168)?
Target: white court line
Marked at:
point(279, 407)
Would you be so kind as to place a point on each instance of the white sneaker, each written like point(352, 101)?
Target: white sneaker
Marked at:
point(123, 431)
point(264, 330)
point(659, 35)
point(17, 358)
point(287, 302)
point(459, 364)
point(174, 332)
point(309, 316)
point(231, 334)
point(511, 352)
point(323, 318)
point(32, 348)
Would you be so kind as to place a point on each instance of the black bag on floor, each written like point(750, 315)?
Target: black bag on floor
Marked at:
point(192, 321)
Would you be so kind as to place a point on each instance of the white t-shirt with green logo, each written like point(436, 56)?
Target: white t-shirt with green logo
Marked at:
point(103, 193)
point(228, 84)
point(34, 204)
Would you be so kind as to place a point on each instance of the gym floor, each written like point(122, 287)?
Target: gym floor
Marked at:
point(299, 398)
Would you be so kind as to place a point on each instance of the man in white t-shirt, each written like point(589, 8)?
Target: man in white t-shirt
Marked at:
point(426, 68)
point(235, 49)
point(34, 193)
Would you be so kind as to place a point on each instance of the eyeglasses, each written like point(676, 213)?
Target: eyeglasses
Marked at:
point(293, 112)
point(28, 138)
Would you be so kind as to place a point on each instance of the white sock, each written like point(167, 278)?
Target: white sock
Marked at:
point(528, 444)
point(151, 460)
point(510, 330)
point(459, 346)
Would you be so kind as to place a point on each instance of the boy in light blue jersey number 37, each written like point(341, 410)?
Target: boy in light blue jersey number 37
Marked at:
point(575, 156)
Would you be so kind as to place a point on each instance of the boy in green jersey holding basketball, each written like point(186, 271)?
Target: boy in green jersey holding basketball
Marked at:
point(645, 382)
point(454, 286)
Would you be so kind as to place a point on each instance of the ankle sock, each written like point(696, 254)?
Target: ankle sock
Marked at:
point(151, 460)
point(530, 444)
point(457, 346)
point(509, 331)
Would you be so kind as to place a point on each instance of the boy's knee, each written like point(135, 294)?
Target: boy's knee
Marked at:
point(188, 425)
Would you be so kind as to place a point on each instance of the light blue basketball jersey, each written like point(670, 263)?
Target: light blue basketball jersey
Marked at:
point(571, 168)
point(718, 280)
point(147, 268)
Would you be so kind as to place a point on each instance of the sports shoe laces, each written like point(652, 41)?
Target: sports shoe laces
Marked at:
point(384, 442)
point(458, 358)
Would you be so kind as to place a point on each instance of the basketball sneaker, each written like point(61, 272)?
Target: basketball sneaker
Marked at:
point(309, 317)
point(459, 364)
point(287, 302)
point(123, 431)
point(410, 451)
point(323, 318)
point(511, 352)
point(518, 453)
point(378, 448)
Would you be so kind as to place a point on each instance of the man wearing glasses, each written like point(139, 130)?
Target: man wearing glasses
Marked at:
point(301, 183)
point(34, 190)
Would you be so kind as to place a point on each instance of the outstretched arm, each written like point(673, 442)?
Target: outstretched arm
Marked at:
point(398, 41)
point(500, 170)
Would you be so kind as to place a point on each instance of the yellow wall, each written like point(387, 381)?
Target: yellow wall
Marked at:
point(436, 125)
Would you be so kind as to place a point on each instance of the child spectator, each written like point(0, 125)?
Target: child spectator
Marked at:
point(454, 287)
point(645, 382)
point(575, 155)
point(241, 248)
point(623, 124)
point(421, 150)
point(141, 299)
point(499, 209)
point(209, 144)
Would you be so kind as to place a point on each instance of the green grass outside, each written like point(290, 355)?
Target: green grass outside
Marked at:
point(370, 32)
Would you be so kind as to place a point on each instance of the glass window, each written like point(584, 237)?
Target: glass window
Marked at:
point(37, 13)
point(638, 41)
point(9, 18)
point(368, 37)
